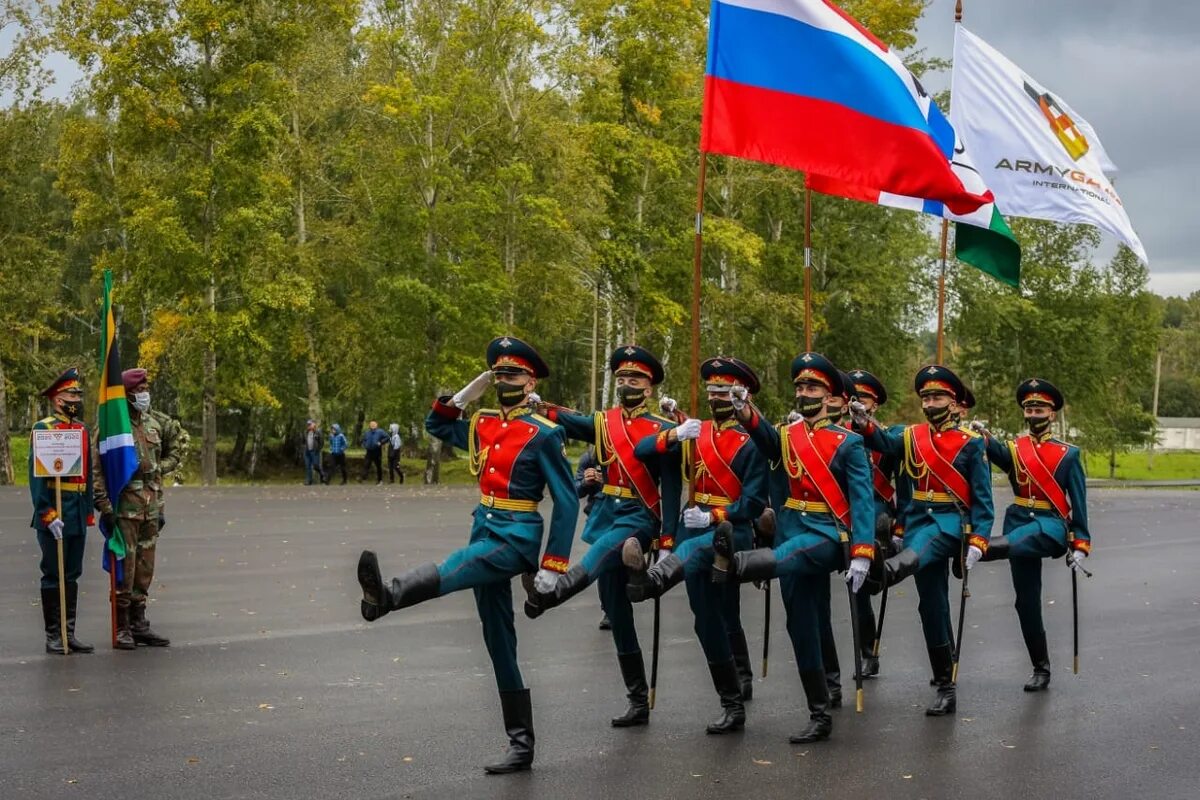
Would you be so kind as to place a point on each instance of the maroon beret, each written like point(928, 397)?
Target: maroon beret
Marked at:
point(132, 377)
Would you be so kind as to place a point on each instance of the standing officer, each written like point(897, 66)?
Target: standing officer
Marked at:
point(638, 499)
point(823, 472)
point(730, 480)
point(950, 514)
point(1048, 515)
point(516, 455)
point(66, 398)
point(135, 514)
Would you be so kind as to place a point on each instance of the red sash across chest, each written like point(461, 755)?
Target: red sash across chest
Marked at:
point(502, 440)
point(883, 487)
point(814, 450)
point(937, 451)
point(623, 434)
point(1040, 460)
point(716, 451)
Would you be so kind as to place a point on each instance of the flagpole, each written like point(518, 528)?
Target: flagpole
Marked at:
point(808, 323)
point(694, 408)
point(941, 322)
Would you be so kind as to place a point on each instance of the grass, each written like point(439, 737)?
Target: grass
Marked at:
point(1136, 466)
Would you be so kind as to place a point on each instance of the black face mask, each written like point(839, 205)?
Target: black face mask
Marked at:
point(809, 407)
point(73, 409)
point(721, 409)
point(937, 416)
point(509, 394)
point(1038, 425)
point(630, 397)
point(835, 414)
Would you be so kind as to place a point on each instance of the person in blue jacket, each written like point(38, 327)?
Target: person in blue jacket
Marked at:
point(337, 449)
point(517, 456)
point(1048, 517)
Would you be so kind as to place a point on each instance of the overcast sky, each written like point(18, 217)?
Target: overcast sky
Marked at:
point(1132, 69)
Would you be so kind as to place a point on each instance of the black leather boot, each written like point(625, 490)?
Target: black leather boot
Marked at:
point(124, 637)
point(139, 627)
point(729, 689)
point(633, 672)
point(997, 549)
point(754, 565)
point(764, 528)
point(723, 549)
point(656, 581)
point(415, 586)
point(74, 644)
point(870, 664)
point(1039, 654)
point(833, 668)
point(518, 724)
point(893, 570)
point(741, 661)
point(820, 723)
point(946, 702)
point(53, 624)
point(569, 584)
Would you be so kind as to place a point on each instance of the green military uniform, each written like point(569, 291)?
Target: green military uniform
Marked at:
point(136, 512)
point(174, 450)
point(75, 514)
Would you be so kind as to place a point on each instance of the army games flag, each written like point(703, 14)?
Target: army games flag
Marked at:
point(118, 454)
point(1039, 158)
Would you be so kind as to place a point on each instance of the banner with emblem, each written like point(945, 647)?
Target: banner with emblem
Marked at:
point(1037, 155)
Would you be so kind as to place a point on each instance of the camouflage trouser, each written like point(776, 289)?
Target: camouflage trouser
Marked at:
point(140, 536)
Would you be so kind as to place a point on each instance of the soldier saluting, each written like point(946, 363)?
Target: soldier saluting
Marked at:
point(1048, 516)
point(70, 526)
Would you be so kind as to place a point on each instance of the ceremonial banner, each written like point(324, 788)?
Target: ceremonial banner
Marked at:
point(118, 454)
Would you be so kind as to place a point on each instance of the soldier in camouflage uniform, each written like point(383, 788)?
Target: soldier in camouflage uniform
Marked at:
point(174, 450)
point(136, 513)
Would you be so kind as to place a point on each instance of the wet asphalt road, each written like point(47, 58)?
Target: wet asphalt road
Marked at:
point(275, 688)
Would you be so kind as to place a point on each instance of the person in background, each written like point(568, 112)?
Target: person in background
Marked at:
point(314, 443)
point(337, 449)
point(394, 443)
point(372, 441)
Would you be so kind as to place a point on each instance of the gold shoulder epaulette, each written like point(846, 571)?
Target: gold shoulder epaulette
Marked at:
point(549, 423)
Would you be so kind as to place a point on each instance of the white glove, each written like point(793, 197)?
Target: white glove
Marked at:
point(978, 426)
point(473, 390)
point(545, 581)
point(858, 413)
point(56, 528)
point(794, 417)
point(897, 543)
point(660, 555)
point(696, 518)
point(739, 395)
point(688, 429)
point(857, 572)
point(973, 556)
point(667, 405)
point(1075, 559)
point(534, 398)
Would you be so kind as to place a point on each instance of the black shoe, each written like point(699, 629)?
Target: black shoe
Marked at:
point(729, 689)
point(1039, 654)
point(415, 586)
point(741, 660)
point(569, 584)
point(633, 672)
point(139, 628)
point(52, 621)
point(723, 548)
point(764, 528)
point(518, 724)
point(946, 701)
point(870, 666)
point(754, 565)
point(656, 581)
point(894, 569)
point(73, 644)
point(820, 723)
point(605, 624)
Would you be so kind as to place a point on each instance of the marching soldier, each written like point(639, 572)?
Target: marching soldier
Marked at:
point(949, 515)
point(70, 526)
point(135, 513)
point(823, 472)
point(639, 499)
point(730, 480)
point(517, 455)
point(1048, 515)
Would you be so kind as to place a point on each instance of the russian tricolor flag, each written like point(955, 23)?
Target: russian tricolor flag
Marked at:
point(801, 84)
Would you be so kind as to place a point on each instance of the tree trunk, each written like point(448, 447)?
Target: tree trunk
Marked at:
point(6, 465)
point(1112, 463)
point(239, 445)
point(208, 421)
point(256, 445)
point(360, 419)
point(310, 373)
